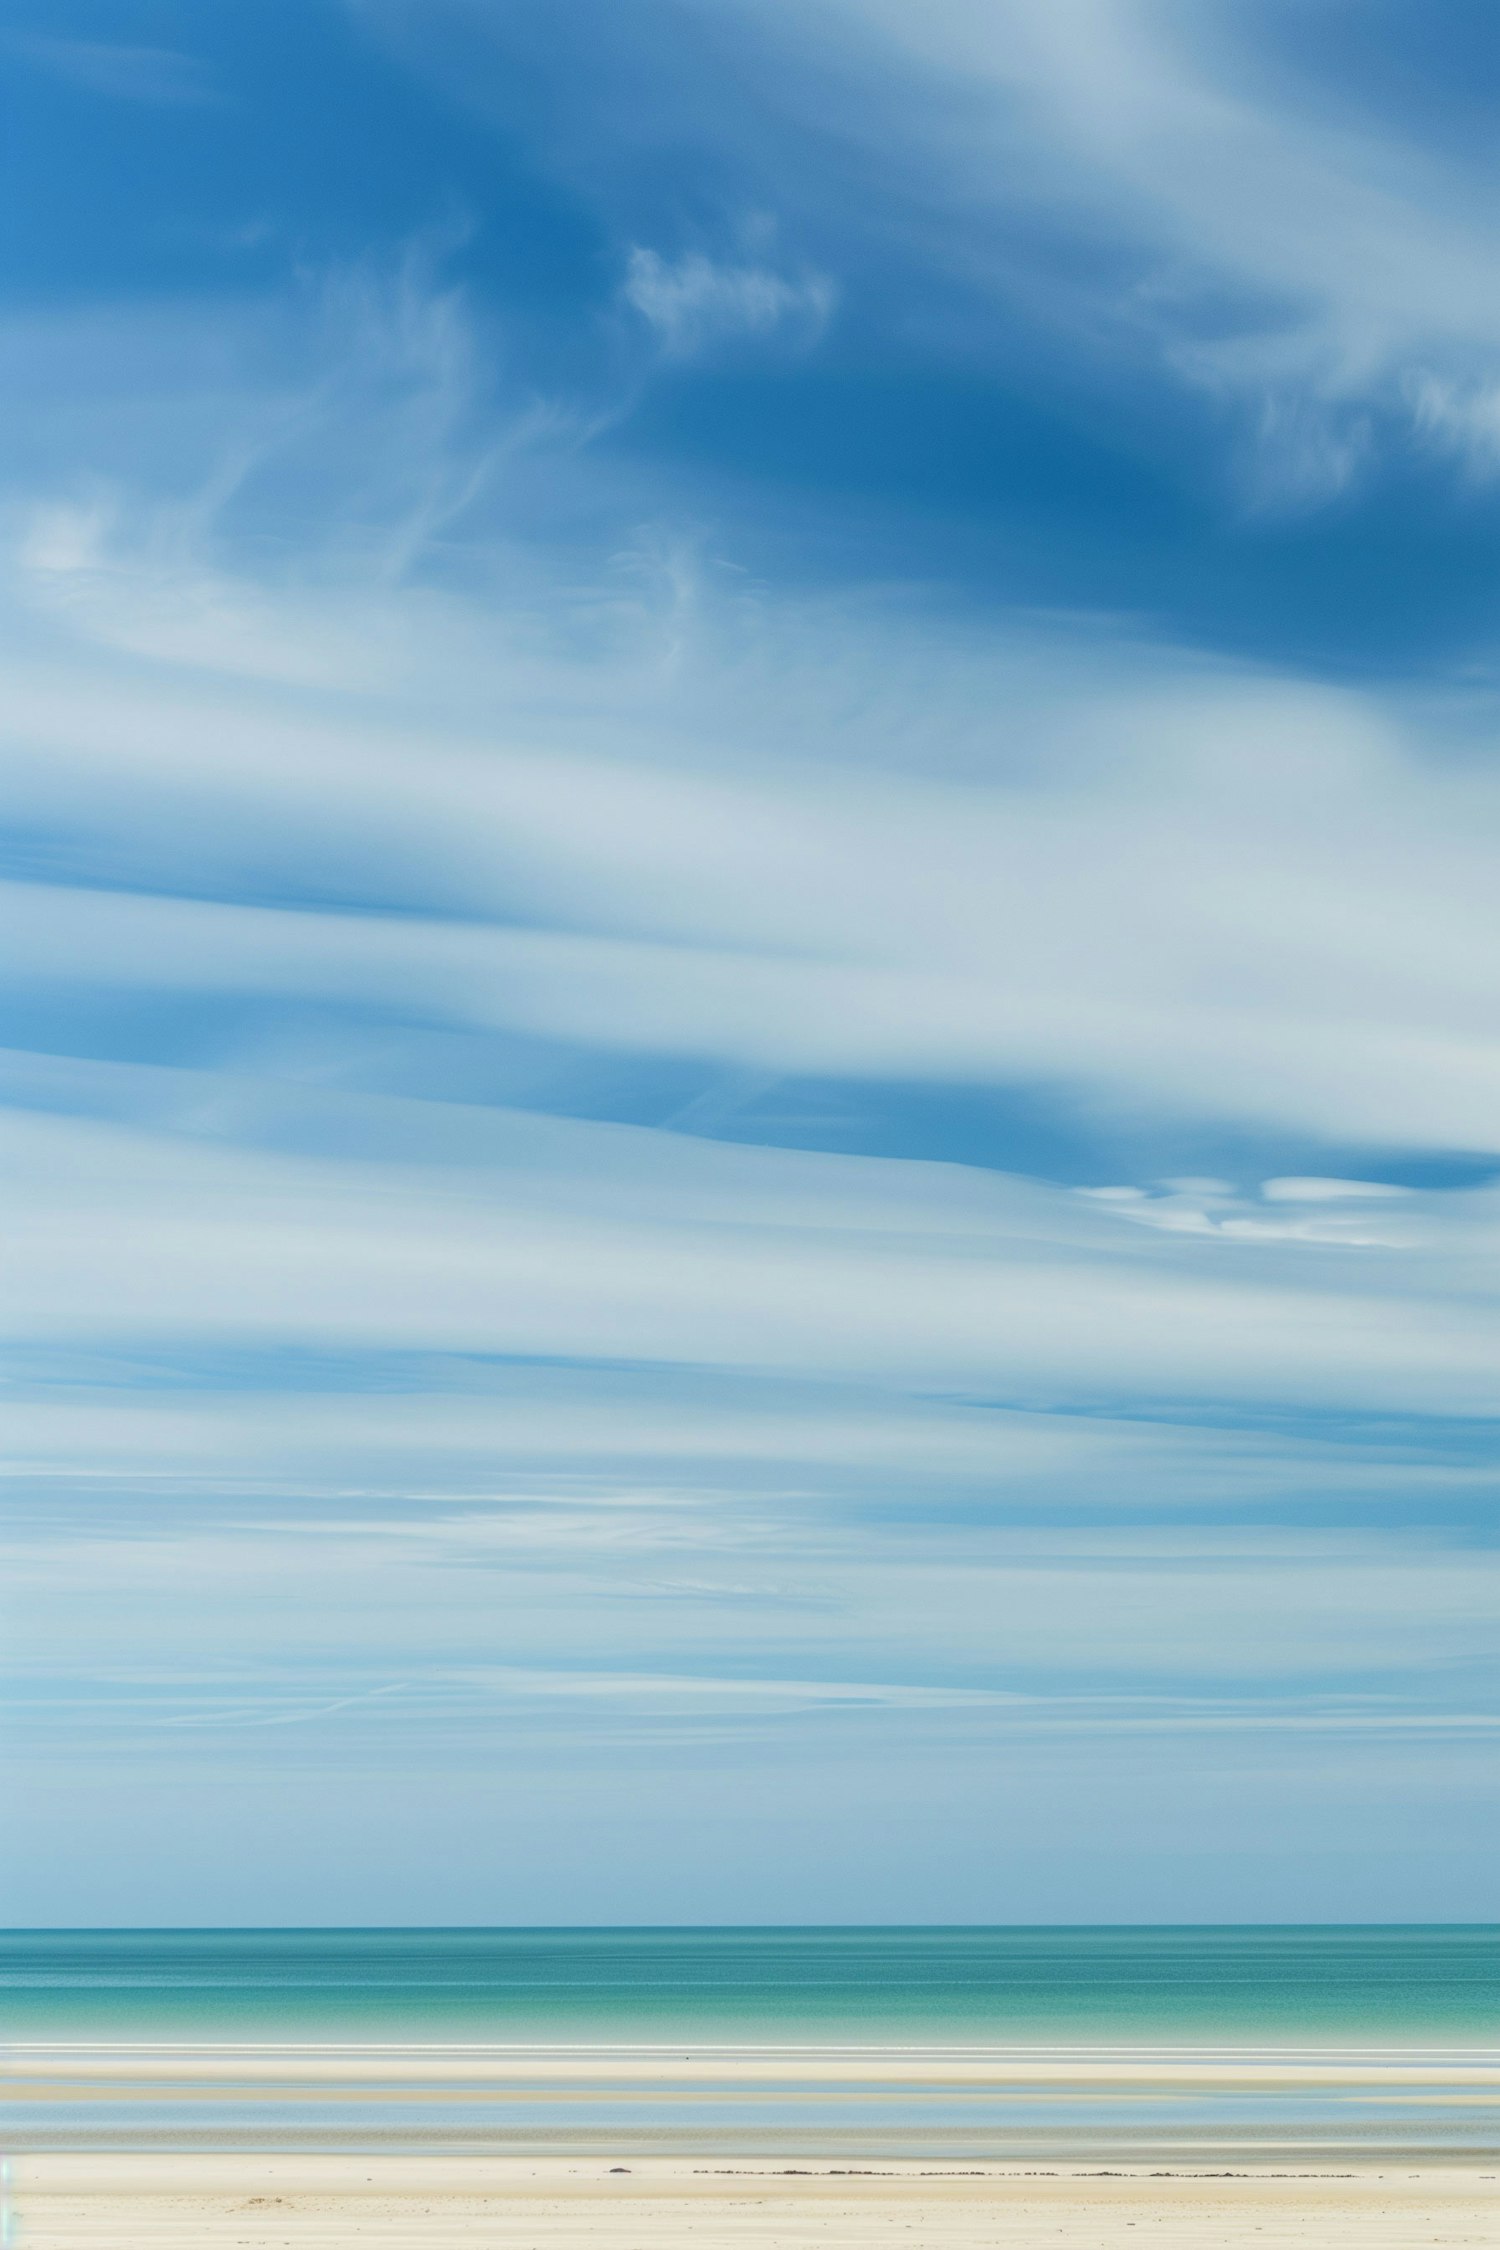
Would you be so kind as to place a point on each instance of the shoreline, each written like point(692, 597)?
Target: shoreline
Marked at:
point(857, 2110)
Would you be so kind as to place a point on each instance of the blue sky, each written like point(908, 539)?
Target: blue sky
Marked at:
point(750, 1070)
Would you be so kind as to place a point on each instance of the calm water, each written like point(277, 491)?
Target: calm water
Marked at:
point(955, 2045)
point(1220, 1986)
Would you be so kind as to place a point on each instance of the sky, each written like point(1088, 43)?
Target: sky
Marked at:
point(750, 1062)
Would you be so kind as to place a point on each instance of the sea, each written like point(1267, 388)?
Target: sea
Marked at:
point(1185, 2048)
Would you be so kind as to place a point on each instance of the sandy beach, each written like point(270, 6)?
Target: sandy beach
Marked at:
point(254, 2203)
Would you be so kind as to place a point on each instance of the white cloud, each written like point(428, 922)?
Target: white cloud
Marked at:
point(1212, 1207)
point(1295, 1190)
point(693, 302)
point(608, 1242)
point(1461, 418)
point(1281, 253)
point(172, 607)
point(610, 1464)
point(453, 1613)
point(652, 809)
point(1220, 896)
point(1142, 179)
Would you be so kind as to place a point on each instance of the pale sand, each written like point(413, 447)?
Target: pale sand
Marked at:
point(263, 2202)
point(565, 2201)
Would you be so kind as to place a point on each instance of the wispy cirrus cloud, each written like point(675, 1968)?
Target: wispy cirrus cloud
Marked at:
point(1314, 958)
point(694, 302)
point(1266, 241)
point(1116, 199)
point(603, 1242)
point(120, 72)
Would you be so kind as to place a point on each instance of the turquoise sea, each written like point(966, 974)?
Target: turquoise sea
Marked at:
point(1185, 2044)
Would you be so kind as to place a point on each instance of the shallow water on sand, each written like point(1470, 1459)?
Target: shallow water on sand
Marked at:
point(1188, 2045)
